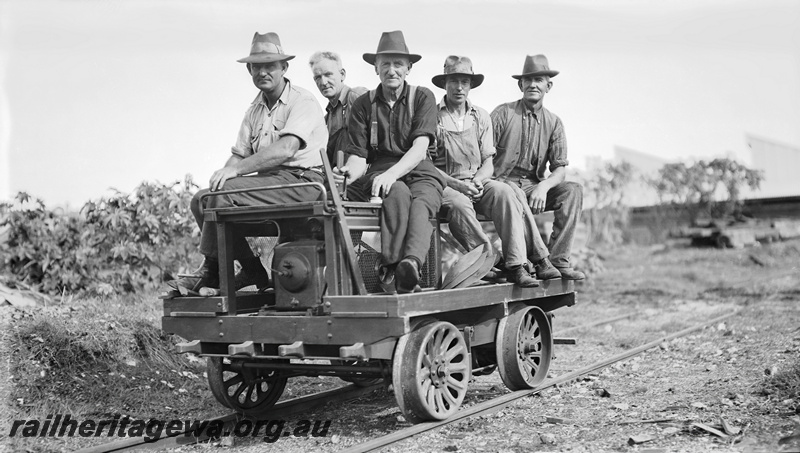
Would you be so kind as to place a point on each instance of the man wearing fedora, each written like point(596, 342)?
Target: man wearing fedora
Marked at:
point(392, 128)
point(464, 156)
point(279, 143)
point(329, 77)
point(530, 140)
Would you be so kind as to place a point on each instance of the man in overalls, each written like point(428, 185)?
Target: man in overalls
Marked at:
point(465, 147)
point(392, 128)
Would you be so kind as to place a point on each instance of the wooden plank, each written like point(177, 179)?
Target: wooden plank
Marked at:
point(311, 330)
point(432, 301)
point(246, 301)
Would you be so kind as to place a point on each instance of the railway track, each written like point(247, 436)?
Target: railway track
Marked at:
point(495, 404)
point(282, 409)
point(302, 404)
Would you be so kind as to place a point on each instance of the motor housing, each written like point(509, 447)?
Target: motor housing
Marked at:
point(299, 274)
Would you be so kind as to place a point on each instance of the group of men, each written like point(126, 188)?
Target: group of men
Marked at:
point(417, 155)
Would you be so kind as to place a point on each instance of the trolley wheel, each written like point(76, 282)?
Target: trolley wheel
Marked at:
point(431, 371)
point(249, 391)
point(524, 348)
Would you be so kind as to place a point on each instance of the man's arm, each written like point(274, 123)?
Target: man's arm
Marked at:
point(538, 196)
point(466, 188)
point(557, 157)
point(487, 149)
point(269, 157)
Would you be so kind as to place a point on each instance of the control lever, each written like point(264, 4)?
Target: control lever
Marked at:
point(339, 165)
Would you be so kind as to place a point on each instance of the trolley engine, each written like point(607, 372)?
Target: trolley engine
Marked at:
point(299, 274)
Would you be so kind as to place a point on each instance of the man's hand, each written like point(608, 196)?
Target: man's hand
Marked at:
point(220, 176)
point(479, 187)
point(468, 188)
point(339, 173)
point(537, 199)
point(382, 183)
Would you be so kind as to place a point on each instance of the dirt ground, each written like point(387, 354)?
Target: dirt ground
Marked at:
point(673, 397)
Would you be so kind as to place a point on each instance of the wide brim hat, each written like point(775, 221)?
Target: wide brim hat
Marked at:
point(266, 48)
point(457, 65)
point(536, 65)
point(391, 43)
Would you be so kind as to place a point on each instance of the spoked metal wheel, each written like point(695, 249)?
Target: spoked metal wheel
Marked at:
point(250, 391)
point(430, 372)
point(524, 348)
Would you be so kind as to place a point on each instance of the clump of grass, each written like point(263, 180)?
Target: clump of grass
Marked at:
point(103, 358)
point(784, 385)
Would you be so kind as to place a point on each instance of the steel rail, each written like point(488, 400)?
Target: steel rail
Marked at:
point(502, 401)
point(281, 409)
point(597, 323)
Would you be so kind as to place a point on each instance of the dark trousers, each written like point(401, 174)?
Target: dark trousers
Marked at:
point(405, 216)
point(208, 234)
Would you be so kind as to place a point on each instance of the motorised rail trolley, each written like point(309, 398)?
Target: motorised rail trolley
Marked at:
point(328, 315)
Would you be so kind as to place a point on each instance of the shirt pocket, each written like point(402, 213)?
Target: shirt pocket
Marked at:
point(278, 123)
point(255, 134)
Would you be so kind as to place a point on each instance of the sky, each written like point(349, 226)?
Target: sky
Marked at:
point(106, 94)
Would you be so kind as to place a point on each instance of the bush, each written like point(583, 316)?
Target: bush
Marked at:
point(604, 191)
point(125, 242)
point(693, 189)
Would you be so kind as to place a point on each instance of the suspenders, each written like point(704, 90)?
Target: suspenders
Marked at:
point(373, 130)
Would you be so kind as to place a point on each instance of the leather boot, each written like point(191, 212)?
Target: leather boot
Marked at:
point(569, 273)
point(545, 270)
point(407, 275)
point(521, 277)
point(206, 276)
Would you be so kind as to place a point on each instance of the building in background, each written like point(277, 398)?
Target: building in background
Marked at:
point(780, 163)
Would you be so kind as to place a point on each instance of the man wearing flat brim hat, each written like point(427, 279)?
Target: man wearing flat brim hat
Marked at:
point(393, 128)
point(530, 141)
point(278, 143)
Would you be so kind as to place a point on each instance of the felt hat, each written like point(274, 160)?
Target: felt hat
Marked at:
point(391, 43)
point(457, 65)
point(266, 48)
point(536, 65)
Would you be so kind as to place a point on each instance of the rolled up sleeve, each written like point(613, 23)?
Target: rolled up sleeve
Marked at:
point(358, 129)
point(425, 114)
point(557, 148)
point(244, 145)
point(486, 133)
point(300, 121)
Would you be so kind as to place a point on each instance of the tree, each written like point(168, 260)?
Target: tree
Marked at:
point(605, 192)
point(696, 189)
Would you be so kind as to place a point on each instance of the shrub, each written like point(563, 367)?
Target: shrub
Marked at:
point(607, 219)
point(693, 189)
point(124, 242)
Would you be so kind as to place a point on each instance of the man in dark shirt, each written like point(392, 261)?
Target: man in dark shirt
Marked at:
point(528, 137)
point(329, 77)
point(393, 128)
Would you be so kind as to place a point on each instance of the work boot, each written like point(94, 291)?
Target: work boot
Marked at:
point(252, 273)
point(568, 273)
point(407, 275)
point(521, 277)
point(206, 276)
point(386, 278)
point(545, 270)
